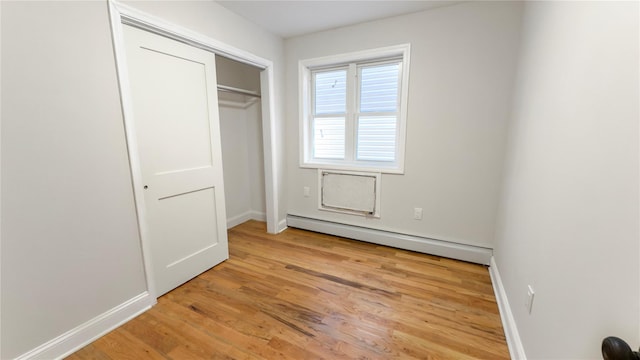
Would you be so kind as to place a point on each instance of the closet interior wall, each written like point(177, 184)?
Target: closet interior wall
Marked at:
point(242, 146)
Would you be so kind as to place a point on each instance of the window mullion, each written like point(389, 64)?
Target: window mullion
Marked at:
point(351, 118)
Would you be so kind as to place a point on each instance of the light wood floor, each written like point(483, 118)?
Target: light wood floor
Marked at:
point(302, 295)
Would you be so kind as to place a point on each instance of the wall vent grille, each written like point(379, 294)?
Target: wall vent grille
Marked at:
point(350, 192)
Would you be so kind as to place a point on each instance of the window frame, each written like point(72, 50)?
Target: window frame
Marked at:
point(355, 59)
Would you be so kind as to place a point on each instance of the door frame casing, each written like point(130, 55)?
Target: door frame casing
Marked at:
point(120, 15)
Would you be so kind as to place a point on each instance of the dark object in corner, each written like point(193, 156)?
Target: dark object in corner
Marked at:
point(614, 348)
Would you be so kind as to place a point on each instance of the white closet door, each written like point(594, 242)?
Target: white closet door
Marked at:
point(175, 109)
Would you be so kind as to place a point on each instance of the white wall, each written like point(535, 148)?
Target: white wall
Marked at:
point(569, 216)
point(462, 66)
point(242, 157)
point(233, 127)
point(256, 159)
point(70, 247)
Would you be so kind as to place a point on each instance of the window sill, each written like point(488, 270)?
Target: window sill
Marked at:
point(392, 169)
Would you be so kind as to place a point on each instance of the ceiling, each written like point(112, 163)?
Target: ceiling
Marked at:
point(298, 17)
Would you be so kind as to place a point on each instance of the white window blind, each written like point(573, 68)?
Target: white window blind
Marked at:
point(376, 138)
point(330, 107)
point(330, 92)
point(378, 112)
point(379, 87)
point(328, 138)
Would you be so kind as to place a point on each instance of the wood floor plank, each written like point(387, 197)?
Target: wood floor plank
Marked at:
point(304, 295)
point(90, 352)
point(119, 344)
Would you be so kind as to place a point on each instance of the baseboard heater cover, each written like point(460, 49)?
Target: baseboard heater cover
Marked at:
point(469, 253)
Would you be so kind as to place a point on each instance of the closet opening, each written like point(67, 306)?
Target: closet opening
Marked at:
point(240, 110)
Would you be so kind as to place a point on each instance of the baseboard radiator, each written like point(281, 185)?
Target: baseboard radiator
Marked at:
point(470, 253)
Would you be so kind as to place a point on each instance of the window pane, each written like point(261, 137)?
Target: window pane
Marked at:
point(328, 138)
point(330, 89)
point(379, 88)
point(377, 138)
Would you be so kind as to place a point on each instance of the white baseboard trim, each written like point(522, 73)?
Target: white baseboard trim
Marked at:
point(244, 217)
point(75, 339)
point(282, 226)
point(516, 350)
point(474, 254)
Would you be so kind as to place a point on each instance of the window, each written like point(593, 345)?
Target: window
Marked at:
point(353, 110)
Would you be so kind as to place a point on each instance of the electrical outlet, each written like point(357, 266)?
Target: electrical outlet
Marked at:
point(530, 295)
point(417, 213)
point(306, 191)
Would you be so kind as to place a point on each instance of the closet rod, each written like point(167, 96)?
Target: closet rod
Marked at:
point(238, 91)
